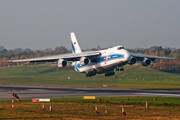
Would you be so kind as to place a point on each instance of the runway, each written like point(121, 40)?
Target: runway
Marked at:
point(29, 92)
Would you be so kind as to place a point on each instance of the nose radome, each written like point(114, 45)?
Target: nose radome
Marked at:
point(127, 56)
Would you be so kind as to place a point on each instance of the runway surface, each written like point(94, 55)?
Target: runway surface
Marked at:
point(29, 92)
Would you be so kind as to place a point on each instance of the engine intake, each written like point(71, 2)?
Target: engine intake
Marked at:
point(62, 63)
point(146, 62)
point(84, 61)
point(132, 61)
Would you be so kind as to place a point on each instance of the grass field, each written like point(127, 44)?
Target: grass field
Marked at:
point(78, 108)
point(135, 77)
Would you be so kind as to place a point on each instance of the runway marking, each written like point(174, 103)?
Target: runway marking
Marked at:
point(37, 89)
point(157, 94)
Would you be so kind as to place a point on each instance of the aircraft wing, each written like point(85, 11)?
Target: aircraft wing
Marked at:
point(67, 57)
point(141, 57)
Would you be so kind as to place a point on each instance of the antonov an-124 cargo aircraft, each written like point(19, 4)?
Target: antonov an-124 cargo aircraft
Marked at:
point(96, 62)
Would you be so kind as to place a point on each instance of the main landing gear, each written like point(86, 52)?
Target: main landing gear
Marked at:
point(121, 69)
point(110, 73)
point(113, 73)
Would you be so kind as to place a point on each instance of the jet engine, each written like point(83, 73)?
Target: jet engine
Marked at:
point(62, 63)
point(146, 62)
point(132, 61)
point(84, 61)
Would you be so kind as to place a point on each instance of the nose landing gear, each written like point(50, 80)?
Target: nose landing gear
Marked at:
point(117, 68)
point(121, 69)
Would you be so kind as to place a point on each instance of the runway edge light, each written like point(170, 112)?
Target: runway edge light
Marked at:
point(146, 104)
point(44, 100)
point(96, 108)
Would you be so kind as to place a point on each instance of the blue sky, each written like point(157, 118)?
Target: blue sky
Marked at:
point(40, 24)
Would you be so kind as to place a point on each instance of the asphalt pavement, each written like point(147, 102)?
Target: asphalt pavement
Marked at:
point(30, 92)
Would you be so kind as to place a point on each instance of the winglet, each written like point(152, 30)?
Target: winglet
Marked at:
point(75, 45)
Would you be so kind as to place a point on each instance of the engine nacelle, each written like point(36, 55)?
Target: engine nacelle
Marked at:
point(146, 62)
point(62, 63)
point(84, 61)
point(132, 61)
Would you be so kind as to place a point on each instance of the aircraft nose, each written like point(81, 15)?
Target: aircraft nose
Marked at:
point(128, 56)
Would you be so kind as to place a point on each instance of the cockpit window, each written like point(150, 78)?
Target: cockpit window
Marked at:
point(119, 48)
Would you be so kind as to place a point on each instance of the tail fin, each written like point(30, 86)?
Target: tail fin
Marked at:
point(75, 45)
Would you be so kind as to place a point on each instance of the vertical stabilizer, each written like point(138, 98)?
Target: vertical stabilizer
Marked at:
point(75, 45)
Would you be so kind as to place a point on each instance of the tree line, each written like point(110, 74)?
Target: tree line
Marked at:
point(159, 64)
point(10, 55)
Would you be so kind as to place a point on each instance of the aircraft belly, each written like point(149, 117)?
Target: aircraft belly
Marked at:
point(106, 67)
point(109, 66)
point(100, 67)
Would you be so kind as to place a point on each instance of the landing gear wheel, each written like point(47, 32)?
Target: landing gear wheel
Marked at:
point(110, 73)
point(117, 68)
point(121, 69)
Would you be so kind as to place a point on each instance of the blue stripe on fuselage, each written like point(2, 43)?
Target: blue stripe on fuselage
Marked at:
point(101, 59)
point(110, 57)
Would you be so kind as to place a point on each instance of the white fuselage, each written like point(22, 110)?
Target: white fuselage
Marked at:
point(109, 59)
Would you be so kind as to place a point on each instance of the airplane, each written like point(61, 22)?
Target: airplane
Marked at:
point(95, 62)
